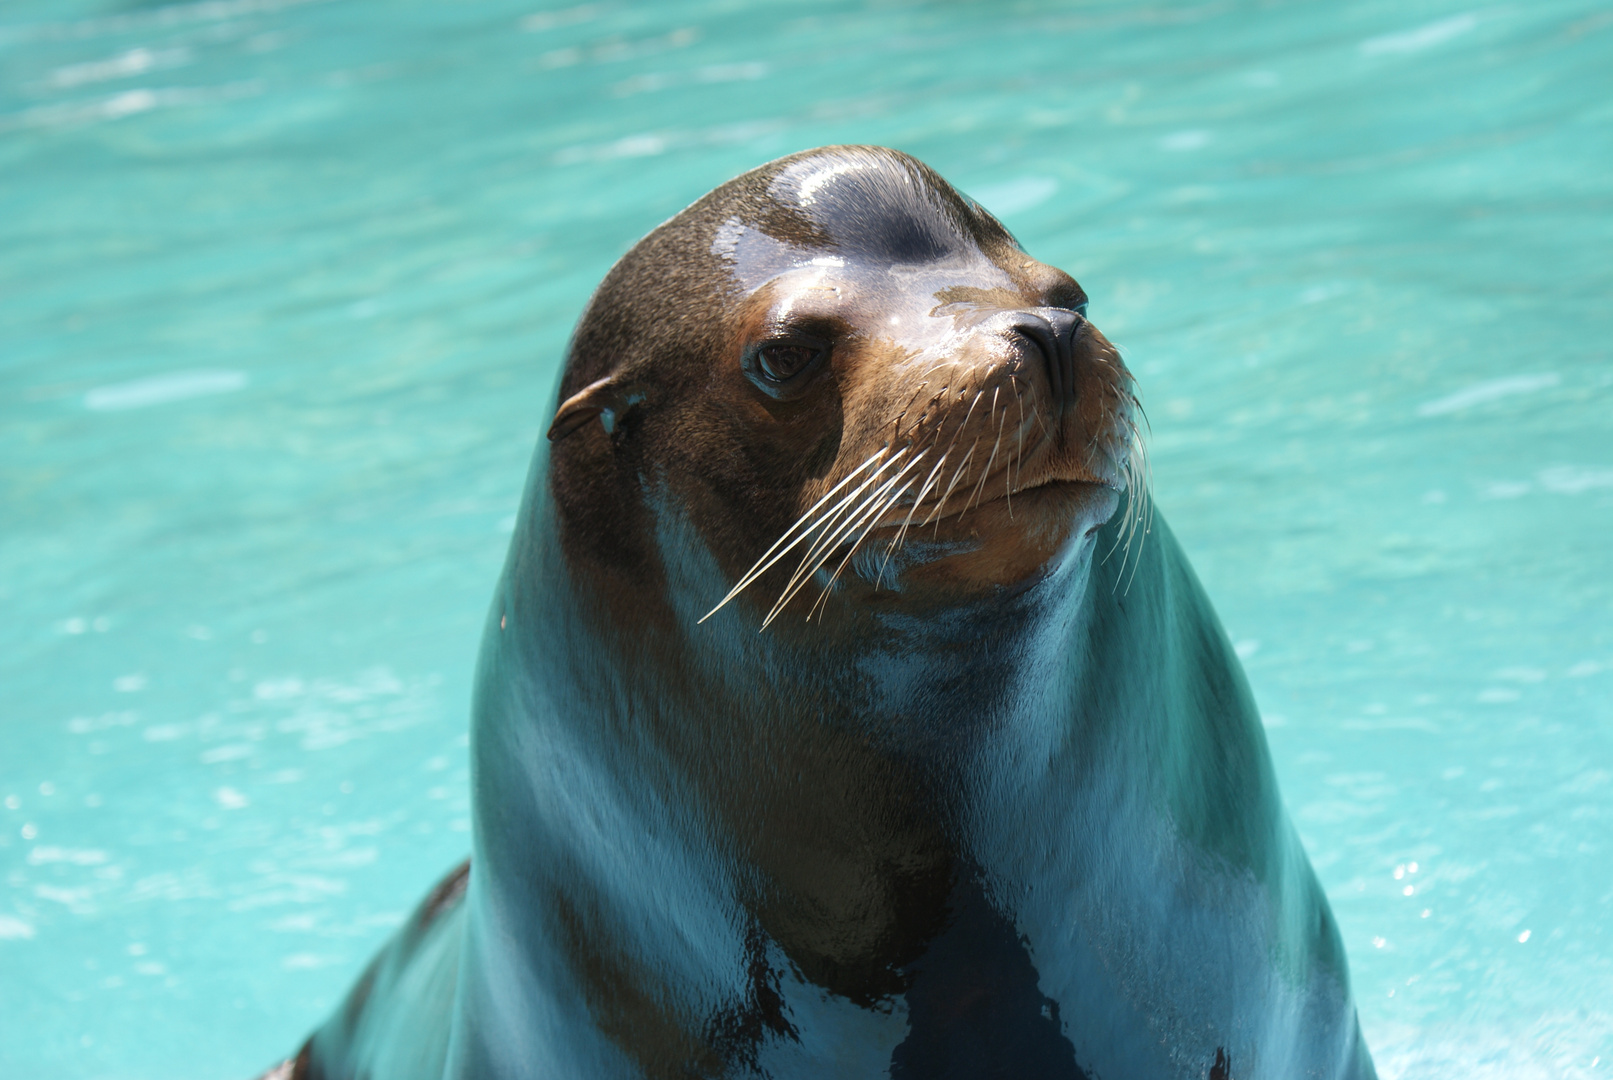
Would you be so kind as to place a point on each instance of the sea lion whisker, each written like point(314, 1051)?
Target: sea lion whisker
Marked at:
point(901, 533)
point(962, 426)
point(810, 523)
point(823, 548)
point(1132, 557)
point(909, 406)
point(985, 475)
point(761, 564)
point(1008, 471)
point(1126, 520)
point(868, 509)
point(1019, 458)
point(957, 474)
point(929, 484)
point(944, 364)
point(964, 423)
point(928, 405)
point(1036, 414)
point(810, 563)
point(1138, 519)
point(847, 510)
point(847, 479)
point(1092, 451)
point(1145, 512)
point(956, 435)
point(872, 521)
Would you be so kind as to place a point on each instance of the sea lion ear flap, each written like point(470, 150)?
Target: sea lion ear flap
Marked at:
point(606, 398)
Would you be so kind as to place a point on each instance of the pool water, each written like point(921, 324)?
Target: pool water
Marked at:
point(283, 286)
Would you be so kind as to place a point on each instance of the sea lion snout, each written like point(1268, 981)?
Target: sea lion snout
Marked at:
point(1054, 331)
point(1037, 386)
point(1052, 335)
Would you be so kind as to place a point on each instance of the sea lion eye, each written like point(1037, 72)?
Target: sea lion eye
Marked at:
point(778, 362)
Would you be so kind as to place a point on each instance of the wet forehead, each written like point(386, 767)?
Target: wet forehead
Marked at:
point(875, 206)
point(752, 258)
point(864, 215)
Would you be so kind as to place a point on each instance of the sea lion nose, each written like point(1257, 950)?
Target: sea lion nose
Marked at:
point(1054, 332)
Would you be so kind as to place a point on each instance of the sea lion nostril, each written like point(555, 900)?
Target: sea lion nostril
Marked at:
point(1053, 331)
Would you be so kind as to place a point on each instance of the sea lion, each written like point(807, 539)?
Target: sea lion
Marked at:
point(842, 711)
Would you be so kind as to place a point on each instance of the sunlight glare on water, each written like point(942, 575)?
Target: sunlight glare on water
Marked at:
point(284, 284)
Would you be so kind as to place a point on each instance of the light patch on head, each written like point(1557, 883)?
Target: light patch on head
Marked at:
point(725, 245)
point(806, 187)
point(755, 257)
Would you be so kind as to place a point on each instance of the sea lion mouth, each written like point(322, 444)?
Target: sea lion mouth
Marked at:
point(1009, 491)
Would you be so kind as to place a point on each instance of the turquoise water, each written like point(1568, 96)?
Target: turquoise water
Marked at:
point(282, 290)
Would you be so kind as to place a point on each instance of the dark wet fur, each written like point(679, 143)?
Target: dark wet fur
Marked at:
point(1020, 831)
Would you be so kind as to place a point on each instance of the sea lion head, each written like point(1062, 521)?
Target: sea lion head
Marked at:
point(849, 378)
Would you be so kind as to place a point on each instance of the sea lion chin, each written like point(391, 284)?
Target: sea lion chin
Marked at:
point(843, 710)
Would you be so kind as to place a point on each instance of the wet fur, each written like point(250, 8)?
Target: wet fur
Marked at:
point(967, 784)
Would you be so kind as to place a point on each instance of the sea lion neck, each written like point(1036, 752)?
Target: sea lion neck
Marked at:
point(793, 787)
